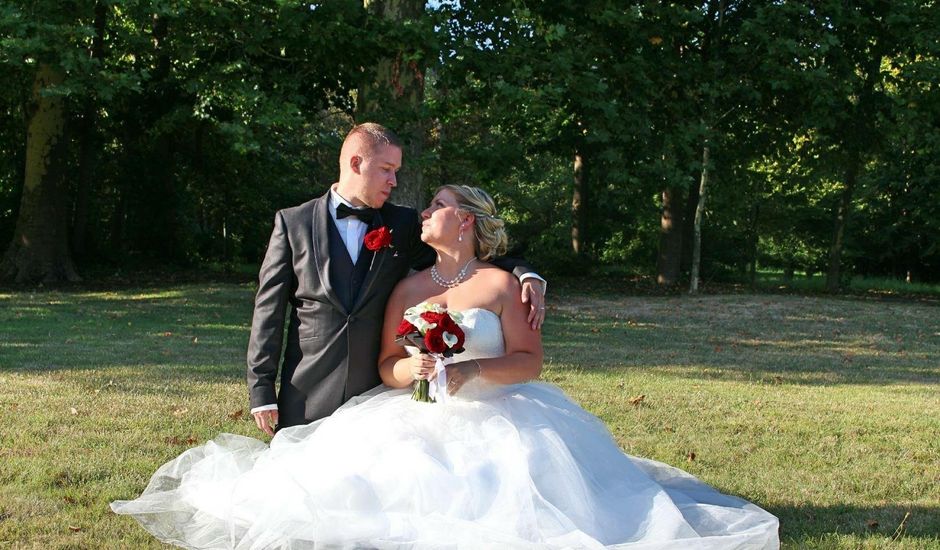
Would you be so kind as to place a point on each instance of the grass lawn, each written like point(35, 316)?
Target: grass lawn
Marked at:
point(825, 411)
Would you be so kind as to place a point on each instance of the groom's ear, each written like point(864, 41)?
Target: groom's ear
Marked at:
point(355, 163)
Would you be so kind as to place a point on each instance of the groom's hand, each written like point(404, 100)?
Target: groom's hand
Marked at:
point(533, 293)
point(266, 420)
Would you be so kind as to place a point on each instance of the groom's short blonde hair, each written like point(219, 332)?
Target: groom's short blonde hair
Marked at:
point(370, 136)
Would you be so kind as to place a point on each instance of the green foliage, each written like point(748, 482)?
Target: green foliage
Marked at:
point(191, 122)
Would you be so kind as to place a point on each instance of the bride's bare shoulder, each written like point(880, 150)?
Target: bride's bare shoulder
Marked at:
point(499, 280)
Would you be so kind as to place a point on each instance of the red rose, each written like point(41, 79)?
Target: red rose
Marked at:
point(434, 317)
point(434, 338)
point(448, 324)
point(405, 328)
point(434, 341)
point(378, 238)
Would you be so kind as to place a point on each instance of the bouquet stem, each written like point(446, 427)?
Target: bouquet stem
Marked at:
point(422, 392)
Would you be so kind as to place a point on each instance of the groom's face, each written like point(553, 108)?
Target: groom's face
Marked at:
point(376, 176)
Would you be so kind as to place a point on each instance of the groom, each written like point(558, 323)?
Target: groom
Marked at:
point(336, 287)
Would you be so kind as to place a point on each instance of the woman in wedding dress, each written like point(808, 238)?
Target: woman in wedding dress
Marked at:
point(498, 462)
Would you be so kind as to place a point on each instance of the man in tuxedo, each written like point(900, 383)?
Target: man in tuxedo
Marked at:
point(337, 288)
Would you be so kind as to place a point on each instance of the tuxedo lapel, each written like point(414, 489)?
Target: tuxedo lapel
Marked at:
point(376, 262)
point(321, 248)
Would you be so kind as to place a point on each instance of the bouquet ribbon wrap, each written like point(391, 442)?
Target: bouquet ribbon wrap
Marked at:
point(438, 387)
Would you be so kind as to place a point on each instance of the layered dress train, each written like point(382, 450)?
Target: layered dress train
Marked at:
point(518, 466)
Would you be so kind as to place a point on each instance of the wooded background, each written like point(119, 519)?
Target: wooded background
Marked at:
point(679, 140)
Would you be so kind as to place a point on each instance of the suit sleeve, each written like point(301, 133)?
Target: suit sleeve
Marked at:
point(267, 324)
point(516, 266)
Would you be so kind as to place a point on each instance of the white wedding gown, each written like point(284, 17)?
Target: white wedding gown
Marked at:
point(518, 466)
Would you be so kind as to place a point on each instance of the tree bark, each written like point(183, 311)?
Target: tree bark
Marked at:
point(699, 213)
point(579, 208)
point(394, 98)
point(833, 282)
point(39, 251)
point(669, 261)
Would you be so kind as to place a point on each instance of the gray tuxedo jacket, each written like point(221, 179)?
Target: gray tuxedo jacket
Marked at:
point(330, 352)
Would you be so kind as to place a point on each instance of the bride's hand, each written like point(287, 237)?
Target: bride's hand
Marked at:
point(459, 374)
point(421, 366)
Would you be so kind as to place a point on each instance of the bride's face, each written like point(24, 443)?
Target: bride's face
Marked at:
point(441, 221)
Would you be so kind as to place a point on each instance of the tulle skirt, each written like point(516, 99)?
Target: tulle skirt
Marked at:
point(518, 466)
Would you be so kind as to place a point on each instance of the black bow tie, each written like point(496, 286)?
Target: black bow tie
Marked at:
point(364, 214)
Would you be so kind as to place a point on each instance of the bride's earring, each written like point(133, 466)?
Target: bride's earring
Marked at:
point(460, 235)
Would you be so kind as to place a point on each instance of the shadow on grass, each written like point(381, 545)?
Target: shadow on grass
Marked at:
point(805, 524)
point(202, 332)
point(142, 337)
point(791, 346)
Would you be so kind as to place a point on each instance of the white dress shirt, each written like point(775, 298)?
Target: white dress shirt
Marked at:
point(351, 228)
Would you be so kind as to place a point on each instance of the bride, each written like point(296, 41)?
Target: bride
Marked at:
point(500, 463)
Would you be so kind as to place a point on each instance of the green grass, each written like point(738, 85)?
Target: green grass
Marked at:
point(822, 410)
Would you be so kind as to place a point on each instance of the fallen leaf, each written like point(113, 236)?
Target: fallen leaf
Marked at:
point(74, 529)
point(636, 401)
point(691, 456)
point(717, 349)
point(180, 411)
point(168, 333)
point(872, 524)
point(69, 499)
point(595, 330)
point(174, 440)
point(192, 439)
point(195, 340)
point(237, 414)
point(74, 411)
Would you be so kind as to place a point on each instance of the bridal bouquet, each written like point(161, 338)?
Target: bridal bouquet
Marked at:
point(432, 329)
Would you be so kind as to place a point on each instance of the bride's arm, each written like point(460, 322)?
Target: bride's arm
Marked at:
point(523, 358)
point(396, 368)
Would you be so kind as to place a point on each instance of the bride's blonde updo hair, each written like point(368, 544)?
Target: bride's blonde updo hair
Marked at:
point(488, 229)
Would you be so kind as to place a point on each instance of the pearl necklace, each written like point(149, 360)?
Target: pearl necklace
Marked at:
point(452, 283)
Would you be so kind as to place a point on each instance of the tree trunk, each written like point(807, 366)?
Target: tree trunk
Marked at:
point(753, 240)
point(711, 41)
point(39, 251)
point(833, 282)
point(579, 208)
point(699, 213)
point(688, 228)
point(669, 262)
point(85, 178)
point(394, 98)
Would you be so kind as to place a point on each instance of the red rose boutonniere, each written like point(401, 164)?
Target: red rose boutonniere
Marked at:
point(378, 238)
